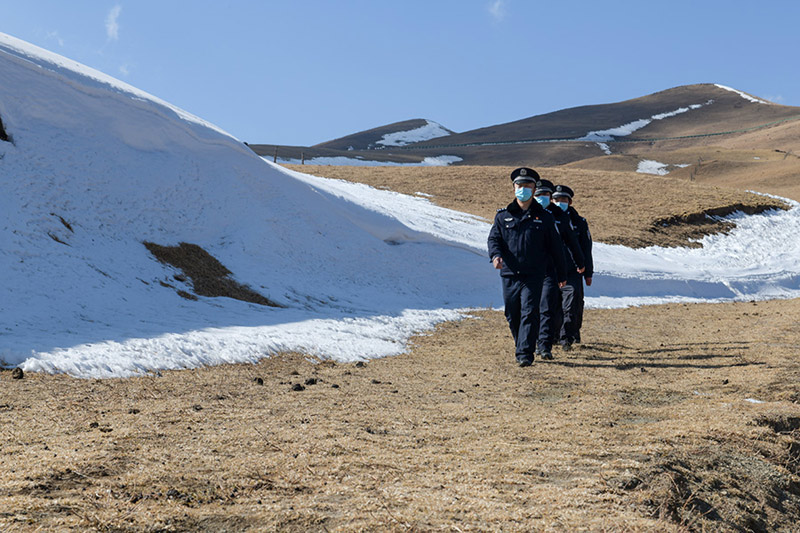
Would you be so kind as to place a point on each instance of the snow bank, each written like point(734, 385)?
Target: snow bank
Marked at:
point(97, 169)
point(429, 131)
point(756, 261)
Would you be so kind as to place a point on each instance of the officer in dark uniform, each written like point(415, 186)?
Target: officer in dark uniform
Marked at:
point(522, 241)
point(573, 303)
point(552, 314)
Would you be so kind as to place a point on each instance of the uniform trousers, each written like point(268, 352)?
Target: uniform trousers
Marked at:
point(572, 307)
point(549, 313)
point(579, 321)
point(521, 295)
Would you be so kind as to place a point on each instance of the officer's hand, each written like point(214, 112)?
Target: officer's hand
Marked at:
point(588, 282)
point(497, 262)
point(562, 284)
point(581, 270)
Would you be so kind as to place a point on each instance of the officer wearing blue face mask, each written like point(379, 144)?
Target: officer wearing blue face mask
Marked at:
point(551, 311)
point(573, 293)
point(522, 243)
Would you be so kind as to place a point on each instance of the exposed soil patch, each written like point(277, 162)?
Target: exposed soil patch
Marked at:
point(685, 229)
point(209, 276)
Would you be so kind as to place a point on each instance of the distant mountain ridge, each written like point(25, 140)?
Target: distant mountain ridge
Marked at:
point(559, 137)
point(396, 134)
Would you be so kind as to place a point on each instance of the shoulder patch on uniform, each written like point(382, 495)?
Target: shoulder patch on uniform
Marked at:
point(501, 209)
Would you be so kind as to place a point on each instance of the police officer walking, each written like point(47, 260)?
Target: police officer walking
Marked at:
point(522, 242)
point(552, 314)
point(573, 292)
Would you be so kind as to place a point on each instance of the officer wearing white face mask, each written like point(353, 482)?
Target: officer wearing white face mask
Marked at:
point(522, 243)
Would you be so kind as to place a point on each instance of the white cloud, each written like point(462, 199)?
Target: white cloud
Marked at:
point(124, 70)
point(778, 99)
point(54, 36)
point(497, 8)
point(112, 23)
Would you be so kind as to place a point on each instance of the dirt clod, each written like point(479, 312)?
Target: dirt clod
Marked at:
point(17, 373)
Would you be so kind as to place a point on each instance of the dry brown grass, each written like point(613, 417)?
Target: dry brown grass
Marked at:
point(622, 207)
point(451, 436)
point(646, 427)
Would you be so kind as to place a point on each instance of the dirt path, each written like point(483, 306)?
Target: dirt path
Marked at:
point(669, 418)
point(648, 425)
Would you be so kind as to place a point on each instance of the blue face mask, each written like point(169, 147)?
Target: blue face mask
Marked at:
point(523, 194)
point(543, 200)
point(563, 205)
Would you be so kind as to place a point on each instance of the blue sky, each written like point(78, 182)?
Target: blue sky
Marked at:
point(304, 71)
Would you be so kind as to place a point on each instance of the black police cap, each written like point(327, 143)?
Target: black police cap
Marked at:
point(544, 186)
point(563, 190)
point(524, 175)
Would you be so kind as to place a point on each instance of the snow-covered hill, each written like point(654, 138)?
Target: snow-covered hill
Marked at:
point(97, 167)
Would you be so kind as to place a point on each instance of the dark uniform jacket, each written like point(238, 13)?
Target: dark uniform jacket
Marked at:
point(527, 241)
point(584, 239)
point(572, 248)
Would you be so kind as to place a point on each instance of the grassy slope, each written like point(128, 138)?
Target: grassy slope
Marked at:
point(646, 427)
point(622, 207)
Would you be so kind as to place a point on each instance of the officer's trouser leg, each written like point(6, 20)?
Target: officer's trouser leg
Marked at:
point(569, 302)
point(549, 313)
point(579, 310)
point(521, 295)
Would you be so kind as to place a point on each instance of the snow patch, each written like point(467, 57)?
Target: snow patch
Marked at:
point(742, 94)
point(431, 130)
point(648, 166)
point(601, 137)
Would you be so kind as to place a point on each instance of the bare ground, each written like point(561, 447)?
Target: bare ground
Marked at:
point(649, 426)
point(669, 418)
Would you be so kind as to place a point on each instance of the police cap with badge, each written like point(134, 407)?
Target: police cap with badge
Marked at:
point(563, 190)
point(543, 186)
point(524, 175)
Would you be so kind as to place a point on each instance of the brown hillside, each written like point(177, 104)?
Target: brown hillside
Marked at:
point(727, 112)
point(368, 139)
point(623, 207)
point(721, 112)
